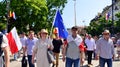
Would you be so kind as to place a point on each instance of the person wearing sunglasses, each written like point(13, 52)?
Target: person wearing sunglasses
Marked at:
point(105, 49)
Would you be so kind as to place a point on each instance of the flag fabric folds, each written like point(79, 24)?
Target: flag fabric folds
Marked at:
point(12, 15)
point(14, 41)
point(82, 47)
point(107, 16)
point(58, 23)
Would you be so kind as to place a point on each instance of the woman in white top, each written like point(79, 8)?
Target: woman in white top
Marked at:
point(40, 49)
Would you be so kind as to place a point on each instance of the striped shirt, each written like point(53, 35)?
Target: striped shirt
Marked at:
point(105, 48)
point(30, 44)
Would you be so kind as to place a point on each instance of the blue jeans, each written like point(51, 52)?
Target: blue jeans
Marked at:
point(70, 62)
point(103, 60)
point(15, 56)
point(30, 61)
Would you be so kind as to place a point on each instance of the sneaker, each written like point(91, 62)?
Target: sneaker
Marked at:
point(91, 64)
point(88, 65)
point(53, 63)
point(98, 66)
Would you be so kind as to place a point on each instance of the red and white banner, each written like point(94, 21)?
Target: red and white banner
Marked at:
point(14, 41)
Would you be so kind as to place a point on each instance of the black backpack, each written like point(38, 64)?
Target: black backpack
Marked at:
point(1, 38)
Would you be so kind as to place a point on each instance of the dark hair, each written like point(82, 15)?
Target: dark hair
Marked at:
point(74, 28)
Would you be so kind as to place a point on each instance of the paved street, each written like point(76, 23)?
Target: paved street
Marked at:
point(61, 64)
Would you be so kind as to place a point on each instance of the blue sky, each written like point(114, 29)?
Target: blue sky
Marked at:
point(85, 11)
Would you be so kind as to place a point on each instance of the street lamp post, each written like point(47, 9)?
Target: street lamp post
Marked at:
point(83, 22)
point(75, 11)
point(8, 9)
point(112, 26)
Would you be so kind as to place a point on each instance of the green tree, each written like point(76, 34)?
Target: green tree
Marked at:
point(30, 14)
point(33, 14)
point(2, 16)
point(2, 10)
point(97, 26)
point(53, 5)
point(117, 23)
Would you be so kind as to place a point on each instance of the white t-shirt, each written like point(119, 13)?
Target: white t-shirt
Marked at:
point(4, 44)
point(23, 40)
point(91, 46)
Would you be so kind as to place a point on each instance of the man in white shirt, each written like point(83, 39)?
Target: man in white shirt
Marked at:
point(23, 39)
point(91, 46)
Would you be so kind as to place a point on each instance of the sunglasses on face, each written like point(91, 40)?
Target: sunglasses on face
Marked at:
point(44, 33)
point(106, 34)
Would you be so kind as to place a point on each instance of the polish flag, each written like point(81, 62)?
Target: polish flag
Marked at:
point(13, 15)
point(14, 41)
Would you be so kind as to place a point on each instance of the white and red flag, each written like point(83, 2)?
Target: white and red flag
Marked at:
point(14, 41)
point(13, 15)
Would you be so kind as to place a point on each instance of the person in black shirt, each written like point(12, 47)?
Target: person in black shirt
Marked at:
point(57, 43)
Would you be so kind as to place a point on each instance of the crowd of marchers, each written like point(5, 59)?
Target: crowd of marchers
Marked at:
point(75, 49)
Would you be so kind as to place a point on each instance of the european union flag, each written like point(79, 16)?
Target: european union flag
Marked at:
point(58, 22)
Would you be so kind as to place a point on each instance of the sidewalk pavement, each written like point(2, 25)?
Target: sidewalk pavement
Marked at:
point(62, 64)
point(95, 63)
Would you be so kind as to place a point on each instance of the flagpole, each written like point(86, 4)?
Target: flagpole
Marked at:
point(53, 22)
point(113, 2)
point(8, 9)
point(83, 22)
point(58, 23)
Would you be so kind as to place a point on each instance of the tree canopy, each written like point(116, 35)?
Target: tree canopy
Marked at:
point(97, 26)
point(31, 14)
